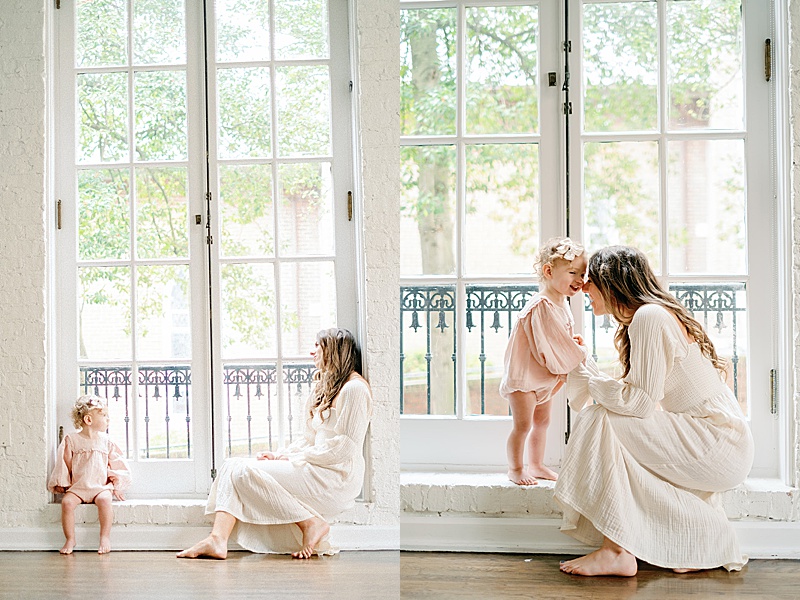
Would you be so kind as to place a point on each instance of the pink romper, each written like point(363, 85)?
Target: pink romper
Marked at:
point(540, 351)
point(86, 467)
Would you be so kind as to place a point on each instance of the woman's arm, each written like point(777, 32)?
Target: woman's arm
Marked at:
point(353, 407)
point(653, 348)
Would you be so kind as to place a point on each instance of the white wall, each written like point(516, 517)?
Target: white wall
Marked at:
point(25, 446)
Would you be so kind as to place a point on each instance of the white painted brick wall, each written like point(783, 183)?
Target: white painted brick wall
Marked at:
point(22, 262)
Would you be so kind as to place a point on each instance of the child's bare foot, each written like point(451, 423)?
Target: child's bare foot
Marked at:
point(521, 477)
point(543, 472)
point(314, 529)
point(603, 561)
point(211, 547)
point(105, 545)
point(68, 547)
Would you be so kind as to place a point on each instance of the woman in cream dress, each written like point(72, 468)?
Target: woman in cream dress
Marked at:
point(281, 502)
point(643, 464)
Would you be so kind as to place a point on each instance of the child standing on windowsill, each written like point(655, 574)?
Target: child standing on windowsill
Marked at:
point(542, 349)
point(90, 469)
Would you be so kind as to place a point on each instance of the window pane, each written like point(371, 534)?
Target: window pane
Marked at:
point(621, 196)
point(103, 116)
point(620, 54)
point(427, 350)
point(115, 385)
point(304, 111)
point(297, 386)
point(502, 69)
point(245, 201)
point(162, 213)
point(244, 113)
point(491, 313)
point(705, 64)
point(242, 30)
point(248, 310)
point(428, 211)
point(164, 412)
point(163, 328)
point(251, 398)
point(104, 313)
point(502, 206)
point(160, 100)
point(301, 29)
point(306, 209)
point(707, 207)
point(102, 33)
point(103, 214)
point(308, 304)
point(159, 32)
point(428, 71)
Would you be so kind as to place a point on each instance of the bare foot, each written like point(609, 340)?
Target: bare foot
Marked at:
point(604, 561)
point(68, 547)
point(543, 472)
point(211, 547)
point(521, 477)
point(105, 545)
point(314, 529)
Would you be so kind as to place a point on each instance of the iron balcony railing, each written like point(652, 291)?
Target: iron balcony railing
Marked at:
point(492, 308)
point(250, 397)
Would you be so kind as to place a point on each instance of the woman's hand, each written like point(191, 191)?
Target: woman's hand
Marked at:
point(266, 455)
point(578, 339)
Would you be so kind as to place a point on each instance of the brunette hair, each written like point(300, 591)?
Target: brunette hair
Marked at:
point(83, 406)
point(626, 282)
point(340, 359)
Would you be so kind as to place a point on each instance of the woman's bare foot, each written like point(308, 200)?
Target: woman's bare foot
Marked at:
point(681, 571)
point(314, 529)
point(211, 547)
point(68, 547)
point(105, 545)
point(603, 561)
point(521, 477)
point(543, 472)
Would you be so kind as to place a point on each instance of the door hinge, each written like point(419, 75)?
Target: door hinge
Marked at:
point(768, 59)
point(58, 214)
point(349, 206)
point(773, 391)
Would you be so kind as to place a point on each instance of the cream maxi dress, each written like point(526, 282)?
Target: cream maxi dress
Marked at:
point(322, 478)
point(643, 464)
point(540, 350)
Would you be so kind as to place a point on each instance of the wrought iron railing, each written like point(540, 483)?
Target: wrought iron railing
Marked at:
point(250, 396)
point(492, 308)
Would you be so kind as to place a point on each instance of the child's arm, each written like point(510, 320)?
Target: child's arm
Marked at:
point(61, 477)
point(551, 341)
point(118, 472)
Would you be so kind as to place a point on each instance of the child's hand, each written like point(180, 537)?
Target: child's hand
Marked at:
point(60, 489)
point(118, 495)
point(578, 339)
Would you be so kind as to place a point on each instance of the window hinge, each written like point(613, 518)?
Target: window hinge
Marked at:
point(60, 434)
point(349, 206)
point(213, 474)
point(566, 437)
point(773, 392)
point(209, 239)
point(58, 4)
point(567, 46)
point(58, 214)
point(208, 196)
point(351, 86)
point(567, 108)
point(768, 59)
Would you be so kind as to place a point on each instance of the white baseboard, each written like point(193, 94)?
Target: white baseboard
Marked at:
point(757, 539)
point(177, 537)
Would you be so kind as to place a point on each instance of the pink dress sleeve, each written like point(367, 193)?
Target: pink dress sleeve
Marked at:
point(62, 471)
point(549, 335)
point(118, 472)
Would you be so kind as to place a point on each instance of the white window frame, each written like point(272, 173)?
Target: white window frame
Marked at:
point(187, 478)
point(478, 443)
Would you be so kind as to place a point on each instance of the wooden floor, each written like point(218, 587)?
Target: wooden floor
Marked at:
point(157, 575)
point(493, 576)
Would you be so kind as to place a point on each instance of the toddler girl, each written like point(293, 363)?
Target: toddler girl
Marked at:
point(541, 350)
point(89, 469)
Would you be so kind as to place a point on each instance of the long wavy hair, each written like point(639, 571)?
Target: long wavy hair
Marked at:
point(626, 282)
point(340, 359)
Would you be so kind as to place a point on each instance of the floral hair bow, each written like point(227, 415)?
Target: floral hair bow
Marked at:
point(569, 251)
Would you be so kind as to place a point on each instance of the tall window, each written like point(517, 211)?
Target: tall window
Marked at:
point(202, 246)
point(661, 137)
